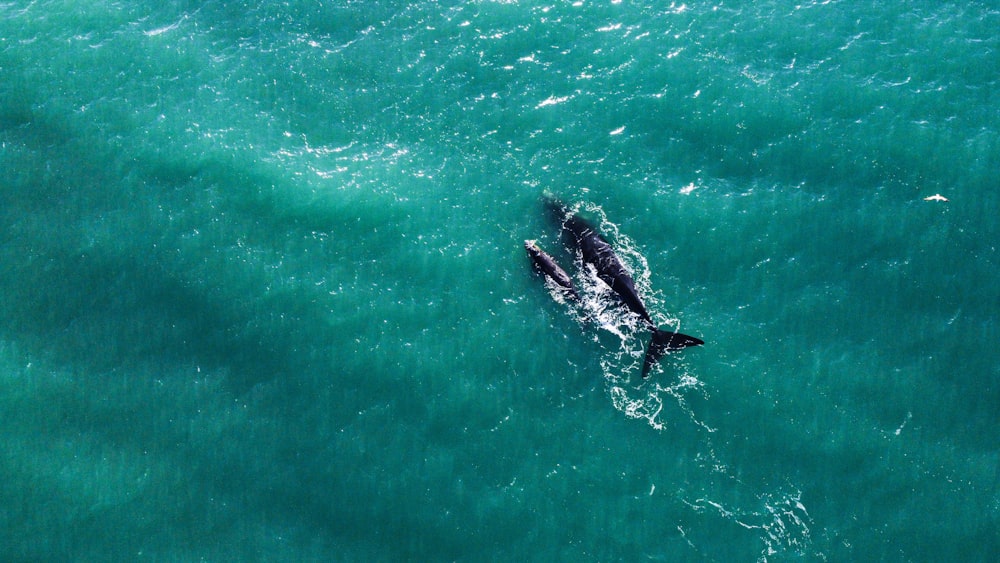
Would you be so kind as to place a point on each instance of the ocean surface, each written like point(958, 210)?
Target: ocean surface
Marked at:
point(264, 294)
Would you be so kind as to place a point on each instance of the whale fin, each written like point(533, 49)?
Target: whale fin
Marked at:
point(662, 342)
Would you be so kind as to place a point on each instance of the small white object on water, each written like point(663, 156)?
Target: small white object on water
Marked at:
point(936, 197)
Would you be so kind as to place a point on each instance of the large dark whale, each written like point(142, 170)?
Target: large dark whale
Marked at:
point(597, 251)
point(548, 267)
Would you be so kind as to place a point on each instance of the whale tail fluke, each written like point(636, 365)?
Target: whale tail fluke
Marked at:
point(662, 342)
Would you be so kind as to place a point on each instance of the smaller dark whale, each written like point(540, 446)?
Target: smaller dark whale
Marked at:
point(548, 267)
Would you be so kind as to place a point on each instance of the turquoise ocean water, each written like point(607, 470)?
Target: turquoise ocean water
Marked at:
point(265, 298)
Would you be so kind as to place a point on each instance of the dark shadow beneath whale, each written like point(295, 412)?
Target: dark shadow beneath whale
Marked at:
point(597, 251)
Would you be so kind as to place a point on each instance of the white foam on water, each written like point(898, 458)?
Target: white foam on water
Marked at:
point(663, 401)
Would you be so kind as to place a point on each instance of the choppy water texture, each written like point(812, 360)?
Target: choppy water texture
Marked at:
point(264, 294)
